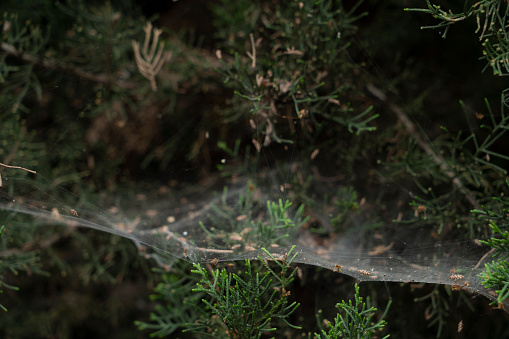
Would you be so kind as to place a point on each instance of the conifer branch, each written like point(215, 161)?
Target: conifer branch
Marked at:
point(410, 127)
point(57, 66)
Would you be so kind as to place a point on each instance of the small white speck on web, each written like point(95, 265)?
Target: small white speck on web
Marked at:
point(184, 233)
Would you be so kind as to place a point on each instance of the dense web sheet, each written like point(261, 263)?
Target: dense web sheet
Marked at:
point(188, 225)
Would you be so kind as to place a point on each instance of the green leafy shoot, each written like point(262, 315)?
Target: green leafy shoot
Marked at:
point(492, 19)
point(496, 131)
point(490, 9)
point(500, 244)
point(240, 219)
point(247, 304)
point(353, 321)
point(496, 274)
point(500, 238)
point(175, 290)
point(275, 74)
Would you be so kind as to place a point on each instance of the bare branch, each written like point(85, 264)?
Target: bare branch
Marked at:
point(18, 167)
point(252, 55)
point(150, 63)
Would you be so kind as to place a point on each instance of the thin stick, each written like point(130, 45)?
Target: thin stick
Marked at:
point(484, 257)
point(253, 47)
point(18, 167)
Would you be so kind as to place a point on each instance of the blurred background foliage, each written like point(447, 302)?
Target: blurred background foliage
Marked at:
point(263, 84)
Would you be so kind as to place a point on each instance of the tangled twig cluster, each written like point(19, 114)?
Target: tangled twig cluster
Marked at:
point(150, 63)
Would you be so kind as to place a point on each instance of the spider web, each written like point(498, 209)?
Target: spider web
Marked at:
point(185, 224)
point(204, 222)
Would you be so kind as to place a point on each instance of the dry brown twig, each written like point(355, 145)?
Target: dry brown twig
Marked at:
point(18, 167)
point(252, 55)
point(150, 63)
point(14, 167)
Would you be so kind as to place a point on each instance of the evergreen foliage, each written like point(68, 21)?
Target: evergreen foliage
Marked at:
point(247, 305)
point(180, 308)
point(281, 89)
point(305, 84)
point(497, 271)
point(239, 224)
point(354, 321)
point(491, 17)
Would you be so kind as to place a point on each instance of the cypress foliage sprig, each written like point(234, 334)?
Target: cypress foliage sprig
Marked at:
point(248, 304)
point(492, 19)
point(496, 274)
point(353, 321)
